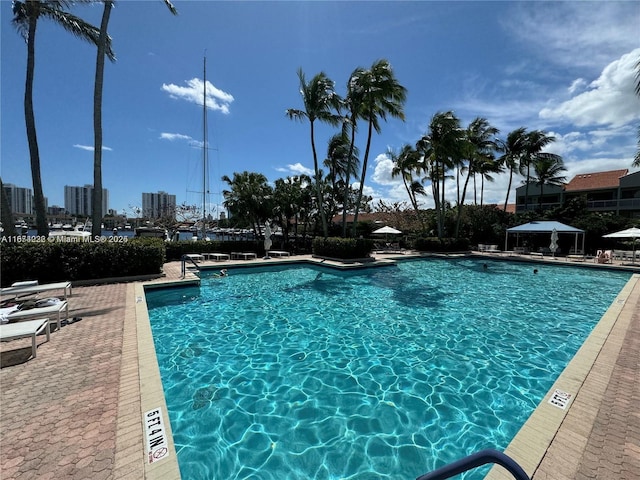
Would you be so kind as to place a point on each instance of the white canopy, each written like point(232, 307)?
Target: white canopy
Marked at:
point(628, 233)
point(632, 233)
point(545, 227)
point(387, 230)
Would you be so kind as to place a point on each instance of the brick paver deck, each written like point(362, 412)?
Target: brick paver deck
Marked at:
point(74, 411)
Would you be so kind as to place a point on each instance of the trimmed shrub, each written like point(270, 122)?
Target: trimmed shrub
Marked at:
point(435, 244)
point(60, 261)
point(343, 248)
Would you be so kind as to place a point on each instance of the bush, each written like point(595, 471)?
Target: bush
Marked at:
point(343, 248)
point(54, 262)
point(435, 244)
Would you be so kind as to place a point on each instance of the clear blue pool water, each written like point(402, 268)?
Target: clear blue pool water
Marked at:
point(307, 373)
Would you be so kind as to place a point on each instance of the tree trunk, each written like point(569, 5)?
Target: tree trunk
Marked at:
point(347, 186)
point(506, 200)
point(365, 160)
point(30, 121)
point(97, 213)
point(323, 217)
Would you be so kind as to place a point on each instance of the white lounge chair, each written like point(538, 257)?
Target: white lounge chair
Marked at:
point(21, 290)
point(26, 329)
point(53, 312)
point(279, 253)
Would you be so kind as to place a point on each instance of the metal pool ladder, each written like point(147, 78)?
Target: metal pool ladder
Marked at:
point(477, 460)
point(183, 268)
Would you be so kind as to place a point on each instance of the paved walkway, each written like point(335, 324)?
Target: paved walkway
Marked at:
point(60, 416)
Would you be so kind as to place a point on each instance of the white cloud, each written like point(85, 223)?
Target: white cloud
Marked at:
point(174, 136)
point(610, 100)
point(577, 84)
point(576, 34)
point(181, 137)
point(296, 169)
point(90, 148)
point(194, 92)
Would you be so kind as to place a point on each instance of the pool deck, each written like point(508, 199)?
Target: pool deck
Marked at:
point(76, 411)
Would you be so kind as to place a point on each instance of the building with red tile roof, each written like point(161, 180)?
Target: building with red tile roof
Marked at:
point(616, 191)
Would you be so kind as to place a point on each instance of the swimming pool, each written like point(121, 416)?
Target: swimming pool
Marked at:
point(305, 372)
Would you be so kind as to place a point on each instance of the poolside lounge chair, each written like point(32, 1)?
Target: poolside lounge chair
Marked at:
point(243, 255)
point(20, 289)
point(53, 312)
point(279, 253)
point(216, 256)
point(26, 329)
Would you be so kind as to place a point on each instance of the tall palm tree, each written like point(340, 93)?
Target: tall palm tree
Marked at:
point(337, 162)
point(25, 18)
point(440, 148)
point(479, 145)
point(104, 42)
point(320, 103)
point(513, 148)
point(535, 141)
point(382, 95)
point(405, 163)
point(549, 171)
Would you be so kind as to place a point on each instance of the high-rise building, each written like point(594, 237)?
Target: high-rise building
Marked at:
point(77, 200)
point(20, 199)
point(157, 205)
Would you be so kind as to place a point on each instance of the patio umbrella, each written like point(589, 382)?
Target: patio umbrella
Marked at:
point(628, 233)
point(267, 241)
point(387, 230)
point(554, 242)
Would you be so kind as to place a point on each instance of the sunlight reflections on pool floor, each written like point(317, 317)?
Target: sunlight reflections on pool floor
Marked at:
point(305, 372)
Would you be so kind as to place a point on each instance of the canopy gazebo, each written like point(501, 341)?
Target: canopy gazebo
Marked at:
point(544, 227)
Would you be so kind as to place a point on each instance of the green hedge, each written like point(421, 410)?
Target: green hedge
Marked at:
point(344, 248)
point(435, 244)
point(53, 262)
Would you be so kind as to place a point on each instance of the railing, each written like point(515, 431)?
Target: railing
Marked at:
point(477, 460)
point(183, 268)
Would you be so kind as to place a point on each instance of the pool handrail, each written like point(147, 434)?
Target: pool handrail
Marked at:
point(477, 460)
point(183, 268)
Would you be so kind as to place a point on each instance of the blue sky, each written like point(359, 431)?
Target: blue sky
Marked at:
point(566, 68)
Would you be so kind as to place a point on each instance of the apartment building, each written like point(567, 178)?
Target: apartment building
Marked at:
point(157, 205)
point(616, 191)
point(77, 200)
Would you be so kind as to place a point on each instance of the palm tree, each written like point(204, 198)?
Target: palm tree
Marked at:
point(548, 171)
point(320, 100)
point(405, 163)
point(25, 18)
point(104, 42)
point(249, 198)
point(338, 162)
point(513, 149)
point(381, 95)
point(535, 141)
point(440, 148)
point(478, 147)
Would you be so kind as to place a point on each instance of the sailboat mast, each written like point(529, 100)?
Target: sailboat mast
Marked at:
point(205, 150)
